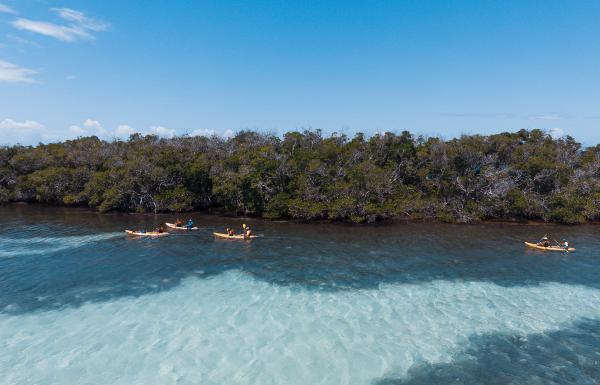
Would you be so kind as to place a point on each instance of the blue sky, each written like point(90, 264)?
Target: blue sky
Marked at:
point(446, 68)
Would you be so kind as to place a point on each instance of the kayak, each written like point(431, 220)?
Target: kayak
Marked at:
point(146, 234)
point(173, 226)
point(549, 248)
point(239, 236)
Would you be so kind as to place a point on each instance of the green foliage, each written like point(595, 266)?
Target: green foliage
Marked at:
point(591, 210)
point(446, 215)
point(278, 207)
point(306, 176)
point(4, 195)
point(306, 210)
point(517, 203)
point(567, 208)
point(175, 199)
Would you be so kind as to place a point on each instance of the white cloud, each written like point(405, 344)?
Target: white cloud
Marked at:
point(31, 132)
point(556, 132)
point(6, 9)
point(79, 26)
point(90, 127)
point(80, 19)
point(78, 131)
point(94, 125)
point(12, 73)
point(25, 132)
point(203, 132)
point(162, 131)
point(9, 124)
point(124, 131)
point(60, 32)
point(228, 133)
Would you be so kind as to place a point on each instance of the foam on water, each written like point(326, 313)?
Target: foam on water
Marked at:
point(233, 329)
point(15, 247)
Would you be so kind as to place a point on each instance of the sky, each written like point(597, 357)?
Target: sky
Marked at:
point(436, 68)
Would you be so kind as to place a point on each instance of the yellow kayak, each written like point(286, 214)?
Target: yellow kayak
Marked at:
point(549, 248)
point(146, 234)
point(239, 236)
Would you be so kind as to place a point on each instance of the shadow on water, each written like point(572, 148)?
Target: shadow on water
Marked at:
point(568, 356)
point(51, 258)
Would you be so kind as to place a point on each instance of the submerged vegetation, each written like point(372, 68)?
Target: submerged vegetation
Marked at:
point(306, 176)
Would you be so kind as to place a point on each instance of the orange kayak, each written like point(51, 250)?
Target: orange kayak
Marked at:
point(549, 248)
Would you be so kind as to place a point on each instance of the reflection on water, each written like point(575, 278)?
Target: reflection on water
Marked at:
point(393, 304)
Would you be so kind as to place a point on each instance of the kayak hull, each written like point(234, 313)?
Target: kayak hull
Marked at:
point(549, 248)
point(172, 226)
point(237, 237)
point(147, 234)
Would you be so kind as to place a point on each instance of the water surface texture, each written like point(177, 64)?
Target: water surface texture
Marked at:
point(82, 303)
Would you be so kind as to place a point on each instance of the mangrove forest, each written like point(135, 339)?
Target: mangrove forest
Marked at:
point(309, 176)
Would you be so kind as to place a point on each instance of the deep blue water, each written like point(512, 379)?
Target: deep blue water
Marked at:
point(390, 304)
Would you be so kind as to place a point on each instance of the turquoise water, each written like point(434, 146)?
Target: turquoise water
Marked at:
point(81, 303)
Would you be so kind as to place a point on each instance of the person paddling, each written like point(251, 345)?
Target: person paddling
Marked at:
point(247, 232)
point(565, 245)
point(230, 232)
point(179, 223)
point(544, 241)
point(190, 224)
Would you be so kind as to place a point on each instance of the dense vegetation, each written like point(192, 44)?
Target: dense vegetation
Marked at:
point(306, 176)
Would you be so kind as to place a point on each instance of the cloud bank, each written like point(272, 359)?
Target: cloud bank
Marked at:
point(10, 124)
point(25, 132)
point(29, 132)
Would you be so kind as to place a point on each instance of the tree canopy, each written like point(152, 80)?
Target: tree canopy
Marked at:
point(308, 176)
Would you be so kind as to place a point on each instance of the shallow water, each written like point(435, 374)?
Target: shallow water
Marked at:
point(307, 304)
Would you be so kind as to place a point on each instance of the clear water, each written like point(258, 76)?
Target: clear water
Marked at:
point(81, 303)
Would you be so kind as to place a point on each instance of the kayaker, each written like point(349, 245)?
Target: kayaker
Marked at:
point(159, 230)
point(230, 232)
point(565, 244)
point(544, 241)
point(248, 232)
point(190, 223)
point(178, 223)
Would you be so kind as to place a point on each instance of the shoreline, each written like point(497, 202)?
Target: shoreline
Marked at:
point(216, 213)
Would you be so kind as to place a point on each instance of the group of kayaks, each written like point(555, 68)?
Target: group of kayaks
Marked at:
point(174, 226)
point(542, 246)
